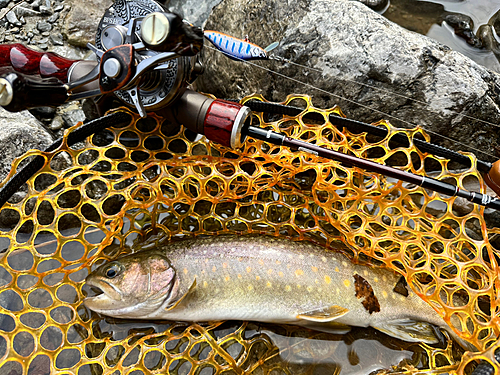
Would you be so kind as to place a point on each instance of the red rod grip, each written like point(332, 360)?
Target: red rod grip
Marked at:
point(17, 57)
point(224, 123)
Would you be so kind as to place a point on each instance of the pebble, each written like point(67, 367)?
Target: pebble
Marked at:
point(45, 10)
point(23, 11)
point(57, 123)
point(43, 26)
point(57, 39)
point(53, 18)
point(73, 117)
point(15, 30)
point(35, 4)
point(45, 33)
point(58, 8)
point(12, 18)
point(4, 3)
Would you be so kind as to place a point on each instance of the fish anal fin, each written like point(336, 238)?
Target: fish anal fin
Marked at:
point(324, 314)
point(183, 298)
point(409, 330)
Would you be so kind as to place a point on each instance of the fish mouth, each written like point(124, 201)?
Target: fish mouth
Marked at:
point(107, 295)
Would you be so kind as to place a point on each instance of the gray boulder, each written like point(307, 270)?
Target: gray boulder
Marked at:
point(345, 46)
point(80, 24)
point(20, 132)
point(194, 11)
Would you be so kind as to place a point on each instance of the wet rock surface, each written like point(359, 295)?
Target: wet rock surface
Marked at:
point(359, 46)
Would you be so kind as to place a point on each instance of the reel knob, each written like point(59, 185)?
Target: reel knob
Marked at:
point(155, 29)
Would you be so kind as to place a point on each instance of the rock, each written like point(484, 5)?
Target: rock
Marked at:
point(464, 27)
point(57, 39)
point(23, 11)
point(12, 18)
point(194, 11)
point(53, 18)
point(57, 123)
point(362, 46)
point(80, 24)
point(72, 114)
point(43, 26)
point(4, 3)
point(375, 4)
point(20, 133)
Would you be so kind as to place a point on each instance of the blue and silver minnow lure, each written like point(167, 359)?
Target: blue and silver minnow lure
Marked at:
point(238, 49)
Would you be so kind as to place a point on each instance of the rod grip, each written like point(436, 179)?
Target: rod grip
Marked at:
point(19, 92)
point(219, 120)
point(16, 57)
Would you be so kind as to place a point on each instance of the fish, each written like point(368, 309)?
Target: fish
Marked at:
point(235, 48)
point(265, 279)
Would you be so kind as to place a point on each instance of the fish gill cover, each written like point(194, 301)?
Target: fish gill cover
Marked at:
point(150, 181)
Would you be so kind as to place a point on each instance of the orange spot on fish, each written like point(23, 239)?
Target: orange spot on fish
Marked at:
point(299, 272)
point(347, 283)
point(249, 269)
point(250, 287)
point(239, 276)
point(278, 262)
point(224, 265)
point(314, 269)
point(214, 268)
point(281, 274)
point(268, 284)
point(185, 270)
point(328, 280)
point(288, 288)
point(257, 277)
point(261, 262)
point(269, 271)
point(227, 278)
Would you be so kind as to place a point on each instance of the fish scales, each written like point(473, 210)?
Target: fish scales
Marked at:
point(304, 276)
point(263, 279)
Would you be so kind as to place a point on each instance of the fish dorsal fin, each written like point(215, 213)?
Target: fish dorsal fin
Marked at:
point(183, 298)
point(409, 330)
point(324, 314)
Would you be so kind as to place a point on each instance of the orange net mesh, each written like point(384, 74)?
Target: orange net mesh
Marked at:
point(152, 181)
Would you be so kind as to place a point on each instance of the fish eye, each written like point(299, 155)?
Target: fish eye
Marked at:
point(112, 271)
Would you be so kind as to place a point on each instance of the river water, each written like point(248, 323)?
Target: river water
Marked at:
point(429, 18)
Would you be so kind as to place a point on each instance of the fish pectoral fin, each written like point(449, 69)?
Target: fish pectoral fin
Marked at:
point(409, 330)
point(183, 298)
point(324, 314)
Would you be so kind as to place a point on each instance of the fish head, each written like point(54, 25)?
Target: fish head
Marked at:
point(132, 286)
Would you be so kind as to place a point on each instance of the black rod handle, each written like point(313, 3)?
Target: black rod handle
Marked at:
point(19, 92)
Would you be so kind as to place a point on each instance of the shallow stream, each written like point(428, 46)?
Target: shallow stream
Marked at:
point(467, 26)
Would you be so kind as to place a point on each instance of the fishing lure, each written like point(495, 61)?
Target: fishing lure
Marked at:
point(238, 49)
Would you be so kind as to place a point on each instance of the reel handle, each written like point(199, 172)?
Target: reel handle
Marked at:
point(19, 58)
point(19, 92)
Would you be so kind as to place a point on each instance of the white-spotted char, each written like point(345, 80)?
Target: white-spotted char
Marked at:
point(261, 279)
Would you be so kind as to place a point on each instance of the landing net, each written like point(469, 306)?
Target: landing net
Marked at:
point(153, 181)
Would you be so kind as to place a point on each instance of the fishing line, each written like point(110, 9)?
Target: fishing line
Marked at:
point(353, 102)
point(278, 58)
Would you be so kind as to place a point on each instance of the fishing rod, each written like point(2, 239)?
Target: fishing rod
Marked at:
point(220, 121)
point(236, 49)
